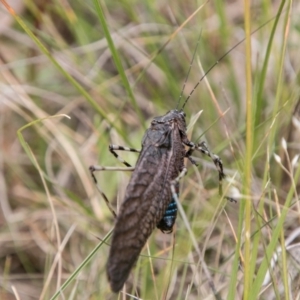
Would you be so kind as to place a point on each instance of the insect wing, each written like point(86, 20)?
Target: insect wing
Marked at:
point(148, 193)
point(146, 200)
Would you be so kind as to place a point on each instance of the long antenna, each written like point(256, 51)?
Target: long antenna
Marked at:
point(219, 60)
point(188, 73)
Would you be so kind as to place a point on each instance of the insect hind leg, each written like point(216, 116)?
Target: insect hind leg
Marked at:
point(95, 168)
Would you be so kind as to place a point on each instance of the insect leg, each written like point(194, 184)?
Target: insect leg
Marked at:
point(202, 147)
point(113, 148)
point(94, 168)
point(100, 168)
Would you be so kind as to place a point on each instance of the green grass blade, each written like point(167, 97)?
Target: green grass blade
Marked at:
point(262, 78)
point(117, 60)
point(82, 265)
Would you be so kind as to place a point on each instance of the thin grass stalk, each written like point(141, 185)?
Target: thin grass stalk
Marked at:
point(284, 270)
point(280, 76)
point(263, 75)
point(249, 147)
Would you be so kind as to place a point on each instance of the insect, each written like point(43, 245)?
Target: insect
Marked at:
point(151, 194)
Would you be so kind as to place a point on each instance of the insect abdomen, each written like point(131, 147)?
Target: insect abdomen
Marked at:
point(167, 222)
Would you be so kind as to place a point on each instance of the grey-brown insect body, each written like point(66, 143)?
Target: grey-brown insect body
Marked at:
point(148, 193)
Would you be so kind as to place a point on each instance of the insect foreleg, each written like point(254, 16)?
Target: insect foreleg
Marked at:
point(202, 147)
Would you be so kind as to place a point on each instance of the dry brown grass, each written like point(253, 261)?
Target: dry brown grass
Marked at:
point(49, 226)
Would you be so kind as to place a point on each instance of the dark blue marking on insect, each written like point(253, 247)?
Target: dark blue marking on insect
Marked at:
point(167, 222)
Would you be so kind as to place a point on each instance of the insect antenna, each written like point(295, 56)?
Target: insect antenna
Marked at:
point(219, 60)
point(189, 71)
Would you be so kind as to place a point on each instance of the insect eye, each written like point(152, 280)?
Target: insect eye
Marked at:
point(183, 114)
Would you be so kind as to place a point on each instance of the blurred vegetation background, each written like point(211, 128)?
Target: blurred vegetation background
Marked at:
point(52, 216)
